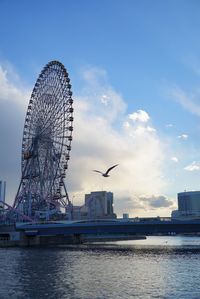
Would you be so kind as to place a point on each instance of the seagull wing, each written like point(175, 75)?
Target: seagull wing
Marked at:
point(109, 169)
point(98, 171)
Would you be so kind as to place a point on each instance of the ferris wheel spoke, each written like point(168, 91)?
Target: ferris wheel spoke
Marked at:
point(68, 119)
point(54, 111)
point(51, 117)
point(44, 93)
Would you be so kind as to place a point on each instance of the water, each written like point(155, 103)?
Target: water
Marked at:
point(159, 267)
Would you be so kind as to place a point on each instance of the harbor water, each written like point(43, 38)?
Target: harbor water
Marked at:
point(159, 267)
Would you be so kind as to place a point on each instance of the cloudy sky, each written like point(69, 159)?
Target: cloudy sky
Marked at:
point(135, 71)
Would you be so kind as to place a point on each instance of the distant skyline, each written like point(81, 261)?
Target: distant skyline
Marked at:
point(135, 74)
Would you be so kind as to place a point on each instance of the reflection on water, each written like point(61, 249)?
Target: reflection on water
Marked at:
point(164, 241)
point(159, 267)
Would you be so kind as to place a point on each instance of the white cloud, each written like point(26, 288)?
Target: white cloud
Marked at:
point(13, 104)
point(140, 130)
point(194, 166)
point(104, 99)
point(140, 115)
point(169, 125)
point(10, 92)
point(94, 76)
point(97, 91)
point(174, 159)
point(126, 124)
point(159, 201)
point(183, 136)
point(137, 124)
point(190, 102)
point(150, 129)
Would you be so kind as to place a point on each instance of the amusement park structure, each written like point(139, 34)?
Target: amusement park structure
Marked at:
point(46, 147)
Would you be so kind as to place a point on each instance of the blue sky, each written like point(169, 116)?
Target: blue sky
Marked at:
point(136, 55)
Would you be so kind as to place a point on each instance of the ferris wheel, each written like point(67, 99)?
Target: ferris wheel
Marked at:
point(46, 145)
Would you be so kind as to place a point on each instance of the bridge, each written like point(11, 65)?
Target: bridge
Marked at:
point(77, 232)
point(115, 227)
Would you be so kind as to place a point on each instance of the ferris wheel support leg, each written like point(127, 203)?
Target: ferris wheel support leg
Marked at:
point(69, 203)
point(16, 197)
point(29, 205)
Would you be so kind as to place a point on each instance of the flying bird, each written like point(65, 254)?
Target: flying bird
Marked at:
point(106, 173)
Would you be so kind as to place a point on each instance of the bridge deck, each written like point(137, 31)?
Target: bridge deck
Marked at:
point(136, 226)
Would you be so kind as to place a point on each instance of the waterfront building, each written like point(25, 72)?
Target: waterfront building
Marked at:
point(2, 190)
point(79, 212)
point(99, 205)
point(125, 216)
point(2, 194)
point(188, 205)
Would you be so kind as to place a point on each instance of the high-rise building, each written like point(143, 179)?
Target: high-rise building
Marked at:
point(99, 205)
point(2, 191)
point(188, 205)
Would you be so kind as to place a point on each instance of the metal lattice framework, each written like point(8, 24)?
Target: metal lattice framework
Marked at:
point(46, 145)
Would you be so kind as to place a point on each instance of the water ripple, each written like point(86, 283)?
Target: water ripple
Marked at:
point(160, 268)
